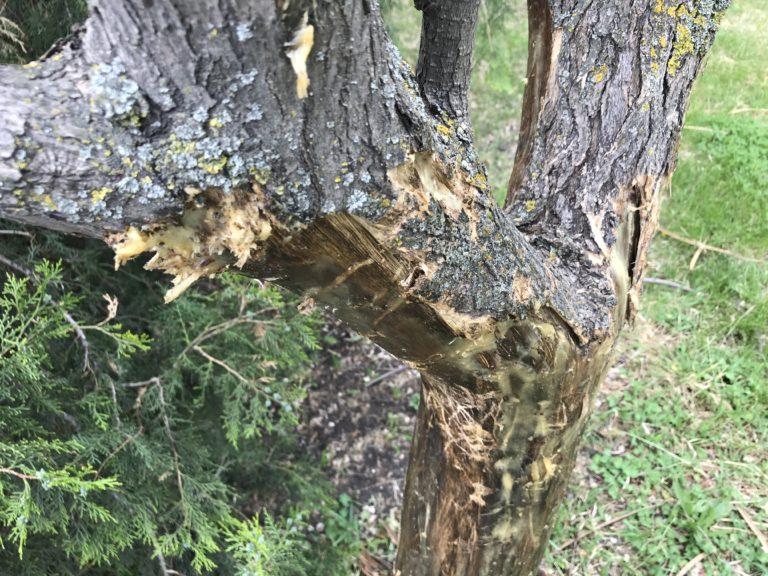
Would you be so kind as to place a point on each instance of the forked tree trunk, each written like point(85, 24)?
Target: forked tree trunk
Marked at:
point(289, 140)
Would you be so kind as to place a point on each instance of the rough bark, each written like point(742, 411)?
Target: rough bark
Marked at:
point(289, 140)
point(445, 54)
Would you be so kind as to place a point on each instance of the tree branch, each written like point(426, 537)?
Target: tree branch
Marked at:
point(445, 55)
point(178, 121)
point(603, 110)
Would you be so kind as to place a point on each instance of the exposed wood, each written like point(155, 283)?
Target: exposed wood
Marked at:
point(289, 140)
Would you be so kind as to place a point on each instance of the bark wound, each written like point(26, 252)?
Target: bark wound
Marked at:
point(544, 45)
point(465, 422)
point(299, 48)
point(644, 213)
point(217, 230)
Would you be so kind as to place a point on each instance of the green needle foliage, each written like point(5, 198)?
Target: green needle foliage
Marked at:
point(141, 438)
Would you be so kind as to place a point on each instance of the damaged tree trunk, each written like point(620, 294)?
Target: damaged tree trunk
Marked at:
point(289, 140)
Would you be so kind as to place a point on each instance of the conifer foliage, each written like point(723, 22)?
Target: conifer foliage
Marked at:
point(140, 437)
point(144, 438)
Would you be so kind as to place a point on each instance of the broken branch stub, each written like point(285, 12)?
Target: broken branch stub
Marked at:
point(217, 230)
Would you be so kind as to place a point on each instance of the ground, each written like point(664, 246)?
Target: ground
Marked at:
point(672, 475)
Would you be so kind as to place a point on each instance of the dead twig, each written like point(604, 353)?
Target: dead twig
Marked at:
point(80, 335)
point(619, 518)
point(702, 246)
point(21, 475)
point(691, 564)
point(745, 109)
point(753, 526)
point(386, 375)
point(697, 128)
point(15, 233)
point(16, 267)
point(668, 283)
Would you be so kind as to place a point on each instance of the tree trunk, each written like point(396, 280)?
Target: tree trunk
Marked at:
point(288, 140)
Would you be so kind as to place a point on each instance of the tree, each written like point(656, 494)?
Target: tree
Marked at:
point(289, 140)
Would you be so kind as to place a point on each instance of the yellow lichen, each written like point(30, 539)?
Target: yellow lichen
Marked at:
point(599, 73)
point(99, 194)
point(213, 166)
point(216, 231)
point(530, 205)
point(49, 203)
point(682, 47)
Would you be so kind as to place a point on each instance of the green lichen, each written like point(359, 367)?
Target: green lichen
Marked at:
point(599, 73)
point(695, 22)
point(681, 48)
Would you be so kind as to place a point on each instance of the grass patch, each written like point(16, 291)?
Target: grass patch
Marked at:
point(679, 437)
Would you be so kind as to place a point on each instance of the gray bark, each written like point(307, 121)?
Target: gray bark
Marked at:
point(185, 127)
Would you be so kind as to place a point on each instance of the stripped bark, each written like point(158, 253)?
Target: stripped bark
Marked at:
point(289, 140)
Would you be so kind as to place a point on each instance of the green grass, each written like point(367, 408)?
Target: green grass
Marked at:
point(41, 20)
point(680, 433)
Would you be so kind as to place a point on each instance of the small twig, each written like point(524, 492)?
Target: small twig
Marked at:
point(15, 233)
point(744, 109)
point(217, 329)
point(691, 564)
point(142, 389)
point(79, 334)
point(161, 561)
point(697, 128)
point(702, 246)
point(171, 439)
point(221, 363)
point(386, 375)
point(16, 267)
point(142, 384)
point(17, 474)
point(755, 530)
point(128, 439)
point(602, 525)
point(668, 283)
